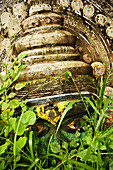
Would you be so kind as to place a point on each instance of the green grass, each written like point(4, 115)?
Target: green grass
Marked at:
point(21, 148)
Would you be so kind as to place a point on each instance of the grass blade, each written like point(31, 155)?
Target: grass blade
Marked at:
point(99, 122)
point(83, 165)
point(92, 104)
point(31, 144)
point(102, 91)
point(33, 164)
point(64, 113)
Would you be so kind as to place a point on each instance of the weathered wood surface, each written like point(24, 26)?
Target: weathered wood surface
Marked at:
point(50, 57)
point(41, 20)
point(56, 39)
point(48, 69)
point(50, 50)
point(56, 86)
point(50, 38)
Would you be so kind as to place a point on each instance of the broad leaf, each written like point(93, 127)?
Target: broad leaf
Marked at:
point(6, 114)
point(20, 144)
point(12, 122)
point(65, 145)
point(5, 106)
point(21, 129)
point(55, 147)
point(19, 86)
point(4, 147)
point(92, 158)
point(14, 104)
point(2, 165)
point(7, 130)
point(11, 95)
point(28, 118)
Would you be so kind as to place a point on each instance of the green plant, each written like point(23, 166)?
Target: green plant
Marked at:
point(13, 125)
point(19, 146)
point(94, 147)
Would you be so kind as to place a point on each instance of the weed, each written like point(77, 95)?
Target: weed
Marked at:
point(20, 146)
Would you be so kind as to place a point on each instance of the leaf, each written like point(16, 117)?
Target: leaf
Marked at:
point(2, 165)
point(33, 164)
point(82, 154)
point(99, 121)
point(107, 133)
point(99, 159)
point(55, 147)
point(79, 164)
point(11, 72)
point(12, 122)
point(70, 166)
point(4, 147)
point(92, 104)
point(111, 137)
point(66, 76)
point(11, 113)
point(110, 98)
point(88, 140)
point(18, 158)
point(103, 147)
point(31, 143)
point(110, 107)
point(21, 129)
point(22, 67)
point(28, 118)
point(111, 145)
point(95, 144)
point(11, 95)
point(26, 100)
point(90, 157)
point(1, 101)
point(110, 164)
point(22, 165)
point(103, 85)
point(19, 86)
point(15, 68)
point(5, 106)
point(14, 104)
point(21, 56)
point(65, 145)
point(6, 114)
point(16, 76)
point(7, 130)
point(20, 144)
point(24, 108)
point(72, 152)
point(8, 83)
point(70, 74)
